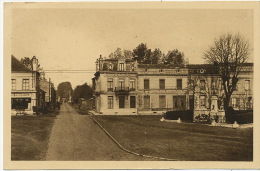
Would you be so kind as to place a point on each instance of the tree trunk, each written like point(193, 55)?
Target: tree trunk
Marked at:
point(226, 102)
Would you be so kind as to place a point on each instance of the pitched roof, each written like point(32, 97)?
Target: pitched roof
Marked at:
point(18, 66)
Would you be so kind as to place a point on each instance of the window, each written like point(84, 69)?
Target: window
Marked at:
point(162, 101)
point(133, 67)
point(13, 84)
point(25, 84)
point(179, 84)
point(132, 84)
point(234, 102)
point(179, 102)
point(213, 85)
point(20, 103)
point(146, 84)
point(121, 84)
point(110, 66)
point(202, 101)
point(109, 84)
point(132, 102)
point(110, 102)
point(121, 67)
point(147, 101)
point(247, 84)
point(250, 103)
point(202, 85)
point(121, 101)
point(162, 84)
point(191, 83)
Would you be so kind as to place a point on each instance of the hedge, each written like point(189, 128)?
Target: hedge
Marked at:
point(184, 115)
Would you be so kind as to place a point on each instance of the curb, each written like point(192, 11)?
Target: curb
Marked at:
point(131, 152)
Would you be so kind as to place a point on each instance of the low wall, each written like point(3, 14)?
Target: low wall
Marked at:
point(124, 111)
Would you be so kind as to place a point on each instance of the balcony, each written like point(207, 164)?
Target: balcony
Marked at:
point(121, 91)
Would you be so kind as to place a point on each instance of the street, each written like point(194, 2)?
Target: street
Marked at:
point(77, 137)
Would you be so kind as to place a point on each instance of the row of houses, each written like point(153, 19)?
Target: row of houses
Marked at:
point(30, 91)
point(122, 86)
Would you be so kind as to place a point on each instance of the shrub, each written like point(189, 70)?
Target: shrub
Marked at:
point(241, 116)
point(184, 115)
point(202, 118)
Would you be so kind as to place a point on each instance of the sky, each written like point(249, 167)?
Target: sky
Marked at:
point(72, 39)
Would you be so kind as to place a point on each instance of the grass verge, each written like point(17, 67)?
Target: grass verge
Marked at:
point(30, 136)
point(185, 141)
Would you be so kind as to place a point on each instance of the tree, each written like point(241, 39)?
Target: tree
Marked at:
point(82, 91)
point(147, 57)
point(228, 53)
point(175, 57)
point(28, 63)
point(140, 52)
point(156, 56)
point(128, 54)
point(117, 54)
point(65, 90)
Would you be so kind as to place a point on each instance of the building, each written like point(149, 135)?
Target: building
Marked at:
point(50, 92)
point(209, 93)
point(122, 86)
point(242, 97)
point(25, 92)
point(115, 88)
point(162, 88)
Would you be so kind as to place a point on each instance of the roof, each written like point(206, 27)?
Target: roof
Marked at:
point(199, 66)
point(163, 66)
point(18, 66)
point(205, 66)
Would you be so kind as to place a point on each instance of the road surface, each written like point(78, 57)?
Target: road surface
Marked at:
point(76, 137)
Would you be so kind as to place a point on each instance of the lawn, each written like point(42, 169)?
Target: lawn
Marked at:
point(185, 141)
point(30, 136)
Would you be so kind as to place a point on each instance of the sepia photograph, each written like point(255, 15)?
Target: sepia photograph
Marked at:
point(92, 85)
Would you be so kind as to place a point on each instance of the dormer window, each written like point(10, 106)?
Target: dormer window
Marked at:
point(133, 67)
point(121, 67)
point(202, 71)
point(110, 66)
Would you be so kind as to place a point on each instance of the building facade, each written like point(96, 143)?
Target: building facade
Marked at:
point(25, 92)
point(115, 87)
point(50, 93)
point(122, 86)
point(162, 88)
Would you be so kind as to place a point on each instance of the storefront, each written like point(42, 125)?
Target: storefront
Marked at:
point(23, 101)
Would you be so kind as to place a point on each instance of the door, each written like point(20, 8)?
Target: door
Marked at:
point(121, 101)
point(132, 102)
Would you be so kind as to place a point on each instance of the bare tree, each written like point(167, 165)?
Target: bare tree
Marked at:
point(228, 53)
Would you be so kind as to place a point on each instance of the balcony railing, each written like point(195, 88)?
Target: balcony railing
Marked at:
point(121, 89)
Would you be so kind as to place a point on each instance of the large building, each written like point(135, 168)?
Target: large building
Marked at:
point(25, 92)
point(122, 86)
point(115, 85)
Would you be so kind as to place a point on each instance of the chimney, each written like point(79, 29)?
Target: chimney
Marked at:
point(34, 63)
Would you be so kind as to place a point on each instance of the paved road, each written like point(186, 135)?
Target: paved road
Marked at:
point(78, 137)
